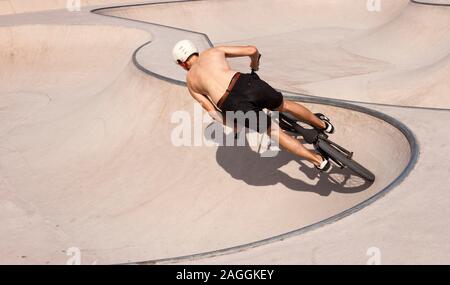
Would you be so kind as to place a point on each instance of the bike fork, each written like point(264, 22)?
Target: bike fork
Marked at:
point(337, 147)
point(349, 154)
point(340, 165)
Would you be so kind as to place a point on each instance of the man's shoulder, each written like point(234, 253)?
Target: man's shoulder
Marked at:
point(210, 52)
point(190, 80)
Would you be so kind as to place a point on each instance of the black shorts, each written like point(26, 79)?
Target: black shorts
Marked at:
point(251, 94)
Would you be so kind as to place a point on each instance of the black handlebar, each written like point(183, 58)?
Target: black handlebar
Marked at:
point(259, 58)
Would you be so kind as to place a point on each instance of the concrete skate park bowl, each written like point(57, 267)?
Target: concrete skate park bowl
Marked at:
point(356, 68)
point(87, 160)
point(433, 2)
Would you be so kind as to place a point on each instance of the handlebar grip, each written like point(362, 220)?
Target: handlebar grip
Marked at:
point(259, 58)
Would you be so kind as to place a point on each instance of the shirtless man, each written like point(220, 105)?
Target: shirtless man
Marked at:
point(211, 80)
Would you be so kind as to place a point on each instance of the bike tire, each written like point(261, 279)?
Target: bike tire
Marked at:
point(337, 155)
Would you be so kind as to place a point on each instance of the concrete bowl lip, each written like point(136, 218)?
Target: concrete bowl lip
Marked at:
point(207, 39)
point(409, 135)
point(424, 2)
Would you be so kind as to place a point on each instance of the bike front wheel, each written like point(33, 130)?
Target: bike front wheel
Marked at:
point(337, 155)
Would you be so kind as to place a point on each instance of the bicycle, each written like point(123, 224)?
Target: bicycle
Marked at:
point(340, 156)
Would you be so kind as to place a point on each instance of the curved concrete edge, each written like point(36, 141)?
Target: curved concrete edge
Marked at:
point(98, 10)
point(432, 2)
point(151, 73)
point(414, 147)
point(208, 40)
point(409, 135)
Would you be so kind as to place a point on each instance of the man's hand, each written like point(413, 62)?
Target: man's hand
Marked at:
point(254, 64)
point(217, 116)
point(238, 51)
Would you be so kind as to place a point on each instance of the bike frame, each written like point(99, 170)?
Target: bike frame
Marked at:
point(311, 136)
point(322, 144)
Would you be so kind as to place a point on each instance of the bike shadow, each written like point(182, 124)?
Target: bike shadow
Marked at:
point(244, 164)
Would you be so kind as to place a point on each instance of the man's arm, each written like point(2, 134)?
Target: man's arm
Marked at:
point(207, 105)
point(238, 51)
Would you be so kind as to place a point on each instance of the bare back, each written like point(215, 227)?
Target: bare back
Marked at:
point(211, 75)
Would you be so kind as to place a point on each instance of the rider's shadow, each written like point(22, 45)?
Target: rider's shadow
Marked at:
point(242, 163)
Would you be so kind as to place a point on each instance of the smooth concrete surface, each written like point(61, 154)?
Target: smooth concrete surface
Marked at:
point(8, 7)
point(433, 2)
point(87, 160)
point(399, 55)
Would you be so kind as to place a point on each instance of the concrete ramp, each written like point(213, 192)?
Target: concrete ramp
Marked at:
point(433, 2)
point(12, 7)
point(87, 159)
point(396, 54)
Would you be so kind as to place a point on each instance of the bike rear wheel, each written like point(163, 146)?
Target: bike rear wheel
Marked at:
point(337, 155)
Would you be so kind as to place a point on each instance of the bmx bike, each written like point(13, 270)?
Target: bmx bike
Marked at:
point(340, 156)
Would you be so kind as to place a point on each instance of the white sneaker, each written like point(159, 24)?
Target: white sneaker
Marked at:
point(329, 129)
point(325, 166)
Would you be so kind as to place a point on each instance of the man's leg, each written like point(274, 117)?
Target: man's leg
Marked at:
point(294, 146)
point(301, 113)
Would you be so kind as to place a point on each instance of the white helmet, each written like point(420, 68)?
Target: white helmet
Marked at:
point(183, 50)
